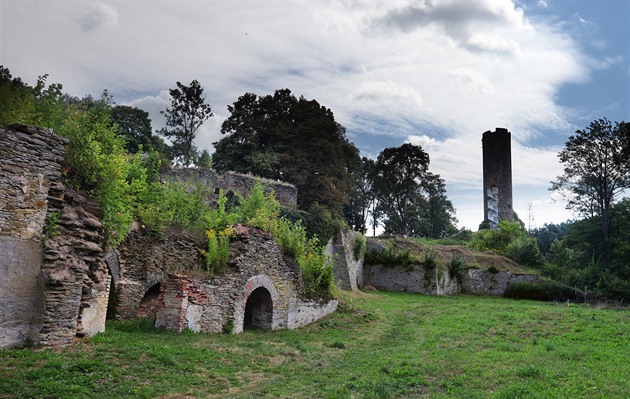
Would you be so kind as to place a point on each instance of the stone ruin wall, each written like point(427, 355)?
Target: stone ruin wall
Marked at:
point(420, 280)
point(190, 298)
point(348, 271)
point(52, 288)
point(55, 284)
point(239, 183)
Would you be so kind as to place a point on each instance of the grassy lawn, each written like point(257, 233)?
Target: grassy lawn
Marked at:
point(379, 345)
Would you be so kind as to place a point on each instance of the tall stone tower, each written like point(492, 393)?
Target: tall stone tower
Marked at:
point(497, 176)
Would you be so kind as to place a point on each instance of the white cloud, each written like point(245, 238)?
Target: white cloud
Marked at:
point(437, 72)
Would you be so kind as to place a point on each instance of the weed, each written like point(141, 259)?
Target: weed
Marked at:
point(51, 228)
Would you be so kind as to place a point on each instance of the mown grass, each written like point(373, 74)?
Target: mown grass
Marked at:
point(380, 345)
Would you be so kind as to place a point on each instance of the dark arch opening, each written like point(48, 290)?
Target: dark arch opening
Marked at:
point(149, 303)
point(258, 310)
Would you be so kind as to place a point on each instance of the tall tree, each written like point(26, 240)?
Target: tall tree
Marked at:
point(596, 170)
point(362, 199)
point(187, 113)
point(399, 173)
point(295, 140)
point(438, 213)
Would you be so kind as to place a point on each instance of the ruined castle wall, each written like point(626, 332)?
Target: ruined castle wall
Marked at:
point(75, 275)
point(239, 183)
point(419, 279)
point(30, 183)
point(416, 279)
point(191, 298)
point(348, 271)
point(253, 253)
point(144, 260)
point(483, 282)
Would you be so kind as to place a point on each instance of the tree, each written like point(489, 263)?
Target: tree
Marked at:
point(187, 113)
point(437, 211)
point(205, 159)
point(295, 140)
point(596, 170)
point(399, 171)
point(361, 199)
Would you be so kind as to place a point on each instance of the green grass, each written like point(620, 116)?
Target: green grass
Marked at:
point(380, 345)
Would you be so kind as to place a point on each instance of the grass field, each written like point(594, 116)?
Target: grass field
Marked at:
point(379, 345)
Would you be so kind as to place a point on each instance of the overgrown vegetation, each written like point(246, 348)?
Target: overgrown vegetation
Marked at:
point(390, 257)
point(381, 345)
point(510, 240)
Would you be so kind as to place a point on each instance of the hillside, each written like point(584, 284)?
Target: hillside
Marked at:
point(444, 254)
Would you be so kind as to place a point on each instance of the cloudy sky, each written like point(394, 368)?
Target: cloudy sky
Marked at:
point(437, 73)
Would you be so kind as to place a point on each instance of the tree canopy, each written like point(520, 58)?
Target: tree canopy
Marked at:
point(399, 172)
point(596, 169)
point(295, 140)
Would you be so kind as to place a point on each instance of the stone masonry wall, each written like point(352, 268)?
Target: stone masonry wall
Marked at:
point(144, 260)
point(191, 298)
point(76, 277)
point(417, 279)
point(414, 278)
point(348, 271)
point(30, 187)
point(286, 193)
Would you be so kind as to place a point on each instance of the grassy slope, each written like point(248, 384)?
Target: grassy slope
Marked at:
point(444, 254)
point(380, 345)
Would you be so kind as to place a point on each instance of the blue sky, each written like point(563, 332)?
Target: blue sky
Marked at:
point(435, 73)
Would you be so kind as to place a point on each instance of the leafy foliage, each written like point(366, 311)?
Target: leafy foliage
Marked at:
point(295, 140)
point(510, 240)
point(596, 169)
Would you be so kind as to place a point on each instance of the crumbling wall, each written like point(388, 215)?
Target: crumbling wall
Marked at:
point(417, 279)
point(75, 275)
point(143, 261)
point(484, 282)
point(348, 271)
point(190, 298)
point(438, 281)
point(239, 183)
point(30, 184)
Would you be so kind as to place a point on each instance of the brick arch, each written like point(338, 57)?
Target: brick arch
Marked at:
point(254, 283)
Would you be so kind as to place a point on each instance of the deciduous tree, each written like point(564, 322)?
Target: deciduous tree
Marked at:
point(399, 173)
point(187, 113)
point(596, 170)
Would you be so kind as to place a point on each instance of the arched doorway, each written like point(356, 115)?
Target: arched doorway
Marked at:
point(149, 304)
point(258, 310)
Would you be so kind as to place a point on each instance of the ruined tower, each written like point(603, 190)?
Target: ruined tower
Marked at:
point(497, 176)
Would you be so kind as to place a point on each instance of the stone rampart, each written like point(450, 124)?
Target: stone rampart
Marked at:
point(239, 183)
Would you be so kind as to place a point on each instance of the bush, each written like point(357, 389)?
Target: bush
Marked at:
point(218, 252)
point(546, 290)
point(359, 244)
point(524, 251)
point(457, 268)
point(390, 257)
point(318, 225)
point(317, 270)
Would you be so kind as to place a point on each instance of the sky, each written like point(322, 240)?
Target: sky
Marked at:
point(433, 73)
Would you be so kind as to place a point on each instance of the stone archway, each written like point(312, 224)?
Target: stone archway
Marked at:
point(258, 310)
point(257, 305)
point(149, 303)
